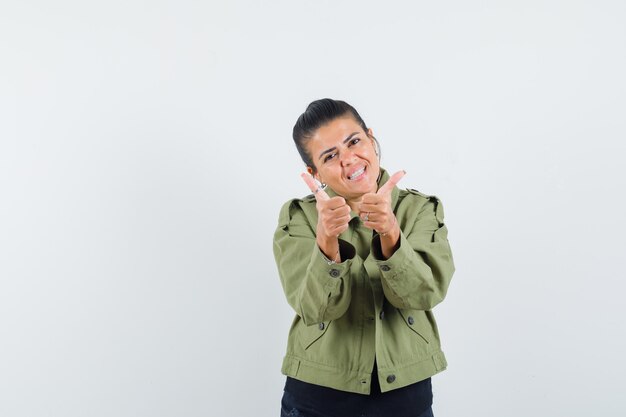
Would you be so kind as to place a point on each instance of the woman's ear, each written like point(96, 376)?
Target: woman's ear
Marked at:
point(311, 173)
point(315, 175)
point(370, 133)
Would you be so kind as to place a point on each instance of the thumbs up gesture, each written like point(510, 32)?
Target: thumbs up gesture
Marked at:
point(333, 213)
point(375, 209)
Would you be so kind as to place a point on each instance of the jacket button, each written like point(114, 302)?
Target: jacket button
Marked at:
point(382, 315)
point(391, 378)
point(411, 321)
point(334, 273)
point(321, 326)
point(385, 268)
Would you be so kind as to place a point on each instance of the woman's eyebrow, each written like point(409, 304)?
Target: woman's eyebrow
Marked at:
point(334, 147)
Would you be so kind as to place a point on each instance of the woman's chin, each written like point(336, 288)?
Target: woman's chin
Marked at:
point(361, 187)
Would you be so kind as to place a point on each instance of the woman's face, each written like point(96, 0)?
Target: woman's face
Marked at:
point(345, 158)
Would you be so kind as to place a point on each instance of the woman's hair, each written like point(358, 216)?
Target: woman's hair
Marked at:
point(317, 114)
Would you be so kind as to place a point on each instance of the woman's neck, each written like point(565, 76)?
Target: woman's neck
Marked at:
point(355, 203)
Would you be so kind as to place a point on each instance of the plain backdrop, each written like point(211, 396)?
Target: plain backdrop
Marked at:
point(145, 150)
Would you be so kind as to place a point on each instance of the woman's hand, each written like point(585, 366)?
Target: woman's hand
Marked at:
point(333, 213)
point(333, 218)
point(376, 212)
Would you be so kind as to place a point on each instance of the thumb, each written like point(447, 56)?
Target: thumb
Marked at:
point(388, 186)
point(315, 189)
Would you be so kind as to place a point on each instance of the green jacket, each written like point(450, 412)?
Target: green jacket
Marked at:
point(364, 308)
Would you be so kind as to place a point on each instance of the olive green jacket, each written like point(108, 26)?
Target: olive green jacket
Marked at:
point(364, 308)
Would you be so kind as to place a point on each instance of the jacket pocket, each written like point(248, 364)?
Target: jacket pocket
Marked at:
point(308, 335)
point(414, 319)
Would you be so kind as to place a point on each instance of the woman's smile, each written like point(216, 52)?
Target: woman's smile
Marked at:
point(358, 174)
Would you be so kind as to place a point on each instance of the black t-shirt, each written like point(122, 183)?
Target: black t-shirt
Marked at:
point(409, 401)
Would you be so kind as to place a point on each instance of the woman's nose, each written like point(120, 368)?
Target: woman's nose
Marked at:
point(348, 157)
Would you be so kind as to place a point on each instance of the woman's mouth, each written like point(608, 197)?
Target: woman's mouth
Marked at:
point(358, 174)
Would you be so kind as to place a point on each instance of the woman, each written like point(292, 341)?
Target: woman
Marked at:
point(362, 264)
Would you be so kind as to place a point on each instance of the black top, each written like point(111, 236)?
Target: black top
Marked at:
point(409, 401)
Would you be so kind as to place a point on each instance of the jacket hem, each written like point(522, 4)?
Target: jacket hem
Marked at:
point(359, 382)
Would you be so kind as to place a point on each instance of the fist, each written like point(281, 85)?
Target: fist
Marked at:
point(375, 209)
point(333, 213)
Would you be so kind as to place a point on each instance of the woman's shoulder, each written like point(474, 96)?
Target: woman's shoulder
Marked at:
point(299, 201)
point(411, 199)
point(302, 208)
point(415, 192)
point(416, 196)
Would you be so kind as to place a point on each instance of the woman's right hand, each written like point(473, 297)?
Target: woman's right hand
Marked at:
point(333, 217)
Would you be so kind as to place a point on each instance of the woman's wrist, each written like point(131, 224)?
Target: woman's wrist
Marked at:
point(393, 228)
point(329, 249)
point(389, 239)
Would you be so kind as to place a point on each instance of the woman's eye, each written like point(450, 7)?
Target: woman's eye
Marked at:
point(329, 157)
point(355, 141)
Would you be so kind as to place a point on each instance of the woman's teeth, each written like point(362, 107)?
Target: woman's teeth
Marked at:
point(356, 174)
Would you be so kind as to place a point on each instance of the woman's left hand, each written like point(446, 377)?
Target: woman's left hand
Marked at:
point(375, 209)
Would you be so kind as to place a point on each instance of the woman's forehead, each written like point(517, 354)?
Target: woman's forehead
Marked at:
point(337, 130)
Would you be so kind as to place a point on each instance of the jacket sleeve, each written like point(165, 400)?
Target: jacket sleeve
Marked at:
point(316, 290)
point(418, 274)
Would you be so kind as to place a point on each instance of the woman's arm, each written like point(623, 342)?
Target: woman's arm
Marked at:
point(418, 273)
point(316, 290)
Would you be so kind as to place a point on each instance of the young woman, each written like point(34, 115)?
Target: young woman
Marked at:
point(362, 263)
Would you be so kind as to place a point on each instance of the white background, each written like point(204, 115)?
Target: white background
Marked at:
point(145, 150)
